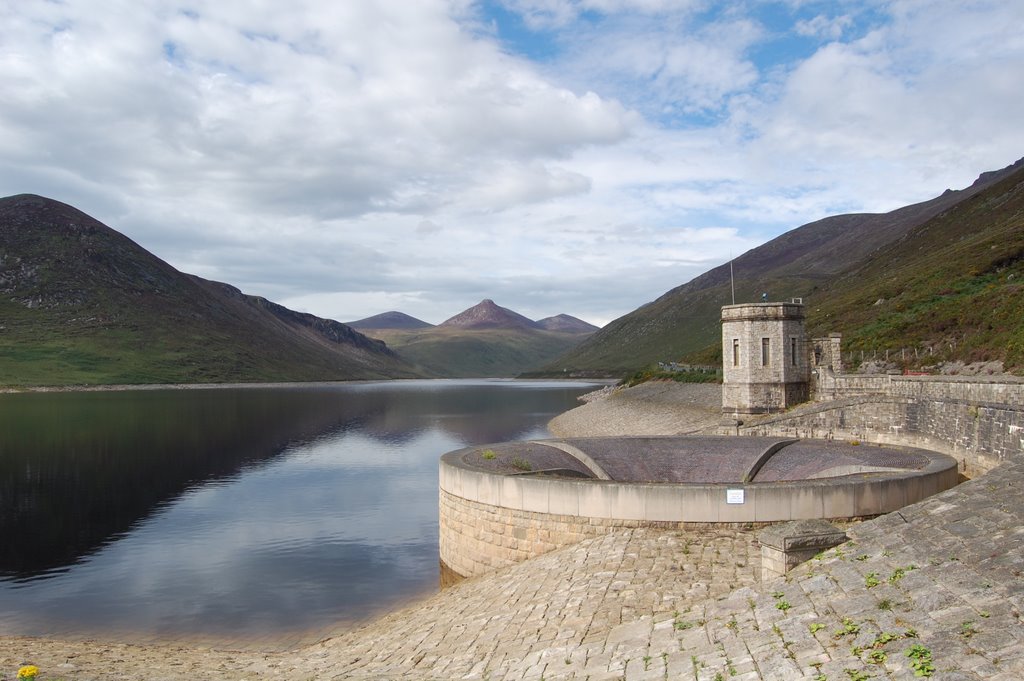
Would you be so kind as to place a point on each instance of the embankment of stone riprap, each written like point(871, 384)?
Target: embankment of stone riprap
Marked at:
point(979, 421)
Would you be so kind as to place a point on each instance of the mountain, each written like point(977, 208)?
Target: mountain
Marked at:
point(487, 315)
point(486, 340)
point(390, 320)
point(81, 303)
point(830, 255)
point(950, 289)
point(566, 323)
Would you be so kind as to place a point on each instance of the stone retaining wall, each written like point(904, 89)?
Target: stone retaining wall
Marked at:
point(978, 421)
point(1004, 390)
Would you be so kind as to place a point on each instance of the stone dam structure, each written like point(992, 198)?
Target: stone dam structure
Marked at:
point(509, 502)
point(800, 441)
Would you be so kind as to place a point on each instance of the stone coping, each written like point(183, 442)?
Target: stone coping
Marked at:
point(848, 496)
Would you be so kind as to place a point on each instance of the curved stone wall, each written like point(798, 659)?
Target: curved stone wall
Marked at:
point(489, 520)
point(978, 421)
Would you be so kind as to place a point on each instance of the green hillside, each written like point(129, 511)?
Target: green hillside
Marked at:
point(453, 352)
point(836, 265)
point(953, 286)
point(82, 304)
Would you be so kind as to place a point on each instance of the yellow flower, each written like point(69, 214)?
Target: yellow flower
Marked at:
point(29, 671)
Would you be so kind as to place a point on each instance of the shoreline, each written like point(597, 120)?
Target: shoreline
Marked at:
point(126, 387)
point(652, 409)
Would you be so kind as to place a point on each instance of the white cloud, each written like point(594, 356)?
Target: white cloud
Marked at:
point(354, 157)
point(821, 26)
point(541, 14)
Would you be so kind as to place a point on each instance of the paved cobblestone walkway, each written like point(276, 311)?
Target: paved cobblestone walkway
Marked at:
point(943, 579)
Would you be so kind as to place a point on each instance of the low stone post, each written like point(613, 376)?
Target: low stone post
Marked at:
point(786, 545)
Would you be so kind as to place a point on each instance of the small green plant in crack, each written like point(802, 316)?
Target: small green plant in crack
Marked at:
point(780, 601)
point(488, 454)
point(732, 624)
point(815, 627)
point(877, 657)
point(920, 660)
point(871, 580)
point(850, 628)
point(862, 557)
point(682, 625)
point(647, 662)
point(522, 464)
point(967, 629)
point(885, 604)
point(885, 637)
point(899, 573)
point(857, 675)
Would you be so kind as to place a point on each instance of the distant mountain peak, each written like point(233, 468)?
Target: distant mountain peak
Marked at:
point(566, 323)
point(489, 315)
point(390, 320)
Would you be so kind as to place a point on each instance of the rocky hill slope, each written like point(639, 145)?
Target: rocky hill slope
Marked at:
point(82, 303)
point(832, 264)
point(488, 315)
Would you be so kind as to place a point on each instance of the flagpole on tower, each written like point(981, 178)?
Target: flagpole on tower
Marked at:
point(732, 281)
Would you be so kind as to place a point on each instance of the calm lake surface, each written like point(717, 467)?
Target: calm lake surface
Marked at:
point(236, 512)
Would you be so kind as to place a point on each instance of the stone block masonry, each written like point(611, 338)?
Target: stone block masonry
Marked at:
point(978, 421)
point(490, 520)
point(764, 357)
point(787, 545)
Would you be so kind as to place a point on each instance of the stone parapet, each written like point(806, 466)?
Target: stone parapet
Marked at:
point(1004, 390)
point(980, 436)
point(489, 520)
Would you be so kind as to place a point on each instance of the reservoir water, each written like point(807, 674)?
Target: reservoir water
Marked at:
point(235, 511)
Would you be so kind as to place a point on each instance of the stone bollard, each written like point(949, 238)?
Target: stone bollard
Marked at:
point(786, 545)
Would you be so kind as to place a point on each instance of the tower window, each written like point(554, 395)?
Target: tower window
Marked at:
point(735, 352)
point(765, 351)
point(792, 351)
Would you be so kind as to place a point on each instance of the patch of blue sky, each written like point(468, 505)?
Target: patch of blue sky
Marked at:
point(794, 33)
point(516, 37)
point(686, 119)
point(173, 54)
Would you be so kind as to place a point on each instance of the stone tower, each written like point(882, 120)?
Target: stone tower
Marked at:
point(765, 358)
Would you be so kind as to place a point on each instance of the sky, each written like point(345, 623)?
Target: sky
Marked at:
point(351, 157)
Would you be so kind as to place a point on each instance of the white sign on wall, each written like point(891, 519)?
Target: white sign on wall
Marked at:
point(734, 496)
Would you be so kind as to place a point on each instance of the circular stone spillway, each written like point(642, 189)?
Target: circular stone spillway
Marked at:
point(504, 503)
